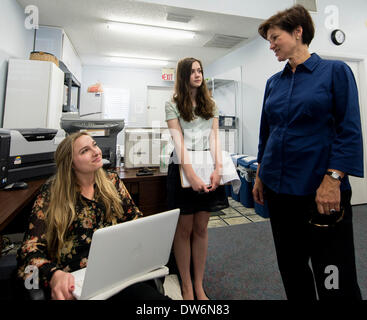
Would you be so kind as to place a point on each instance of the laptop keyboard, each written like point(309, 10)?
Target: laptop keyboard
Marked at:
point(78, 283)
point(78, 287)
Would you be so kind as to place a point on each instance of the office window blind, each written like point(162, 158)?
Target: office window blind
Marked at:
point(116, 103)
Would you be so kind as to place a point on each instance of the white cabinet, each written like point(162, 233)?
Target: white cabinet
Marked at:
point(71, 59)
point(55, 41)
point(50, 39)
point(34, 95)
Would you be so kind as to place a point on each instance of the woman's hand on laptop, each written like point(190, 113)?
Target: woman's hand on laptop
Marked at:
point(62, 285)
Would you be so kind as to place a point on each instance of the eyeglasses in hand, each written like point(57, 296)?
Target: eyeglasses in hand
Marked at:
point(326, 220)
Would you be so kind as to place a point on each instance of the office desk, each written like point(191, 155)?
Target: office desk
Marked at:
point(13, 202)
point(148, 192)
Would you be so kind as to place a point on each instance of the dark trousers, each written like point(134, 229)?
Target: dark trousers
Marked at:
point(330, 250)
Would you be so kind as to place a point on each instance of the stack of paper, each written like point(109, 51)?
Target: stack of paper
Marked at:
point(203, 166)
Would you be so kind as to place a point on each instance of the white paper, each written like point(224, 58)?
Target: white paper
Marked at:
point(203, 166)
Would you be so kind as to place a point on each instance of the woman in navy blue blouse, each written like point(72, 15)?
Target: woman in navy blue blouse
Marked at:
point(310, 141)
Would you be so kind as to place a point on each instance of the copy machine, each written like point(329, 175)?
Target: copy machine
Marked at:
point(27, 153)
point(103, 131)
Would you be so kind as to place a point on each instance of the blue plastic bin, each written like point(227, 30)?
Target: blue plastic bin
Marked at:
point(246, 180)
point(235, 158)
point(261, 210)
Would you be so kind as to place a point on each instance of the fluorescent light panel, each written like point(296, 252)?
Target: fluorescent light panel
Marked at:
point(150, 30)
point(139, 61)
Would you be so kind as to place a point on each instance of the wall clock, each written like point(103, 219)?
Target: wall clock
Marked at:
point(338, 37)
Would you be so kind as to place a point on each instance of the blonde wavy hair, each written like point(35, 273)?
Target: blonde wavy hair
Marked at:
point(64, 194)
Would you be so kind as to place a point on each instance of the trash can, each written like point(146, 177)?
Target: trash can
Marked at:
point(246, 180)
point(261, 210)
point(235, 158)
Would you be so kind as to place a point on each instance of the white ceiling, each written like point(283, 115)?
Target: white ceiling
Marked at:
point(84, 23)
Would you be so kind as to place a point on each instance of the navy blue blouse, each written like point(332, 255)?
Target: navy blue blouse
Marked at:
point(310, 122)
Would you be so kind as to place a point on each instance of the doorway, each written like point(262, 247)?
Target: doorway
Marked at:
point(157, 98)
point(359, 68)
point(359, 185)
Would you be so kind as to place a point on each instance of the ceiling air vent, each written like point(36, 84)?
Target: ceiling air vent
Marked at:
point(224, 41)
point(310, 5)
point(178, 17)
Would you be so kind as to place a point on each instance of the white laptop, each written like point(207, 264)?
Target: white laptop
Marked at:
point(126, 253)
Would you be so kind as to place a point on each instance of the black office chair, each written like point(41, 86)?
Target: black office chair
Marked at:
point(11, 287)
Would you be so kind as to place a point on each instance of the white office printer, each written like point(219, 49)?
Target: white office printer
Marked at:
point(28, 153)
point(147, 147)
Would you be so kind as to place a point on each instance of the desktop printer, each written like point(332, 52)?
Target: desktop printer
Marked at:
point(4, 155)
point(103, 131)
point(27, 153)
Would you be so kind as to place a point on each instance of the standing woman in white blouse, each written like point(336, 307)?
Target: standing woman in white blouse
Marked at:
point(192, 117)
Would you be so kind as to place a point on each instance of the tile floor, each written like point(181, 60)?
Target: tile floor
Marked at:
point(235, 214)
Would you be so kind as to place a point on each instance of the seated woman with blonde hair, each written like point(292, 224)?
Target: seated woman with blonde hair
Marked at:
point(79, 199)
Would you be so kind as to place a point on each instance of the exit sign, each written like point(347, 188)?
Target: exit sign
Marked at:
point(168, 74)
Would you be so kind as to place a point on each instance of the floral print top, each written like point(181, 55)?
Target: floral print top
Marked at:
point(90, 216)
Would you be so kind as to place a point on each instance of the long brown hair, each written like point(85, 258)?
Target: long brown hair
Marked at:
point(64, 193)
point(204, 104)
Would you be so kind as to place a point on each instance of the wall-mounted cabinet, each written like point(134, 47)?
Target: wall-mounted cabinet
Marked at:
point(55, 41)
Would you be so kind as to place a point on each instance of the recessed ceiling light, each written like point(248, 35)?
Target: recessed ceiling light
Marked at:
point(150, 30)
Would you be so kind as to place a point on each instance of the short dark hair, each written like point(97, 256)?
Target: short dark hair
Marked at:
point(288, 20)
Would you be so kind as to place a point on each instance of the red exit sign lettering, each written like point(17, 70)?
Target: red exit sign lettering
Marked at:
point(168, 74)
point(167, 77)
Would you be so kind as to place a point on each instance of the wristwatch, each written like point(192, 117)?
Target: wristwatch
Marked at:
point(334, 175)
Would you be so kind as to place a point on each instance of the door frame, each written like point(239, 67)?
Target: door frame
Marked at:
point(362, 70)
point(153, 87)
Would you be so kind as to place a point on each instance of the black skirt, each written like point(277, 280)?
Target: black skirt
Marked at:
point(190, 201)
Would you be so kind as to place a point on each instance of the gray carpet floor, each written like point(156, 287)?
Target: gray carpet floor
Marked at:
point(241, 263)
